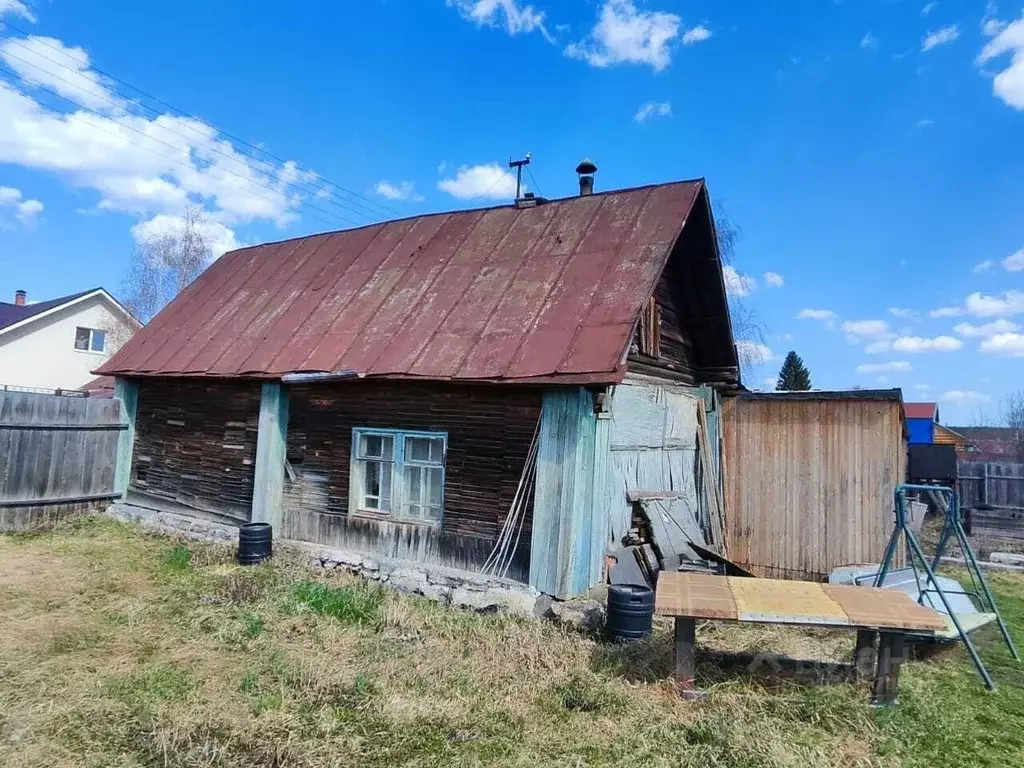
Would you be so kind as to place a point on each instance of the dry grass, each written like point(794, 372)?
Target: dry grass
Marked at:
point(125, 649)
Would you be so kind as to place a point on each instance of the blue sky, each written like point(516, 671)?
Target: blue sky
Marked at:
point(871, 151)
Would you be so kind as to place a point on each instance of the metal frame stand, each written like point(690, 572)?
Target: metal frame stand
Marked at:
point(953, 527)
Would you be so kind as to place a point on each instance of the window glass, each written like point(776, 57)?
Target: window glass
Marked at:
point(99, 340)
point(377, 446)
point(81, 338)
point(399, 473)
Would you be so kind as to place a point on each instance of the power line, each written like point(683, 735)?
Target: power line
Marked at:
point(534, 181)
point(181, 163)
point(350, 206)
point(193, 117)
point(371, 215)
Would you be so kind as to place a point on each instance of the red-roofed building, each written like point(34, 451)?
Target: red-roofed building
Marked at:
point(421, 388)
point(921, 421)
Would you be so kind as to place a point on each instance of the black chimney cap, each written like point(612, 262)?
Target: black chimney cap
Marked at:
point(586, 167)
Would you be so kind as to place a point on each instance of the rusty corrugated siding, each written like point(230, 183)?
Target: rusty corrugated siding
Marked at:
point(809, 483)
point(543, 294)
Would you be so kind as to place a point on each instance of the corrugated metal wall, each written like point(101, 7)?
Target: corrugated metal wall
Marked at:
point(809, 484)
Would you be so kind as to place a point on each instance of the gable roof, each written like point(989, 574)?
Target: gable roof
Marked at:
point(501, 294)
point(12, 315)
point(15, 313)
point(921, 411)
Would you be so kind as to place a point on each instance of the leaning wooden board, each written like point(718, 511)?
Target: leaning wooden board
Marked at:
point(775, 601)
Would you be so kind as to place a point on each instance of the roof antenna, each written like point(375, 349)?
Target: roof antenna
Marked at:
point(518, 165)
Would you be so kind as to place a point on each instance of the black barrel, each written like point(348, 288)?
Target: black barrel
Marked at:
point(254, 543)
point(630, 612)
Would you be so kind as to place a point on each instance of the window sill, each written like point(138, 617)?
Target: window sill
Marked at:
point(387, 517)
point(90, 352)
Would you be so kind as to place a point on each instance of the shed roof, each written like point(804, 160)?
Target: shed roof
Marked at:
point(550, 293)
point(921, 410)
point(892, 395)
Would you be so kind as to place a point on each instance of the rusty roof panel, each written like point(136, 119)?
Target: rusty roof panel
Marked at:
point(548, 293)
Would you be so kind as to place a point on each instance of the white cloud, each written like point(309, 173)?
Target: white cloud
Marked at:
point(858, 331)
point(895, 367)
point(964, 397)
point(948, 312)
point(624, 35)
point(941, 37)
point(1001, 305)
point(145, 165)
point(869, 41)
point(25, 211)
point(903, 313)
point(653, 109)
point(403, 190)
point(878, 347)
point(1014, 262)
point(490, 180)
point(47, 62)
point(773, 280)
point(754, 353)
point(736, 283)
point(917, 344)
point(16, 8)
point(925, 123)
point(698, 34)
point(826, 315)
point(508, 14)
point(928, 8)
point(969, 331)
point(983, 266)
point(218, 237)
point(1007, 85)
point(769, 383)
point(1009, 344)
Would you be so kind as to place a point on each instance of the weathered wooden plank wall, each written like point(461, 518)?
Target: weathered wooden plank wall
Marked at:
point(995, 484)
point(57, 456)
point(195, 443)
point(809, 483)
point(489, 434)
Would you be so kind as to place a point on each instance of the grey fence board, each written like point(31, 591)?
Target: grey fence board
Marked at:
point(996, 487)
point(57, 455)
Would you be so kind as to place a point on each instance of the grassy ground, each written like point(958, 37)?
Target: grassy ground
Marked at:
point(126, 649)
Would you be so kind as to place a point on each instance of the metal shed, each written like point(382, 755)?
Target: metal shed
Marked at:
point(809, 478)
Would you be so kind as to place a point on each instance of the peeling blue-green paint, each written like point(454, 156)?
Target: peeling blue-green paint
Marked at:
point(127, 392)
point(271, 447)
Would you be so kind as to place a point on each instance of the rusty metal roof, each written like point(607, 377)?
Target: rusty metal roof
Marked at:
point(920, 410)
point(550, 293)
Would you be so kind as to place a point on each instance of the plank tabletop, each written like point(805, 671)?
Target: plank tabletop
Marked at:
point(775, 601)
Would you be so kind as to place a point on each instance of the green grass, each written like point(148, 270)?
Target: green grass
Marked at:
point(126, 649)
point(357, 604)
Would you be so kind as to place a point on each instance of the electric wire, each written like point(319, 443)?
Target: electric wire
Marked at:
point(182, 113)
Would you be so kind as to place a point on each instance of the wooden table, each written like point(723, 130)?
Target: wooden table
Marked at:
point(888, 613)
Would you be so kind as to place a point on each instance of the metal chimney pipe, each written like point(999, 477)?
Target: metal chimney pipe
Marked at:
point(586, 170)
point(20, 297)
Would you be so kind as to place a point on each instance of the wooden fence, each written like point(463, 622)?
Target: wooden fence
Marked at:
point(996, 491)
point(57, 456)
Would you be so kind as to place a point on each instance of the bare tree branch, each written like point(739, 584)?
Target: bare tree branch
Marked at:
point(1013, 415)
point(162, 266)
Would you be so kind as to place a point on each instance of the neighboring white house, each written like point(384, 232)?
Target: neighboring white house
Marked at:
point(57, 344)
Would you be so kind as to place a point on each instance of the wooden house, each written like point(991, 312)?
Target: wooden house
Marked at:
point(415, 388)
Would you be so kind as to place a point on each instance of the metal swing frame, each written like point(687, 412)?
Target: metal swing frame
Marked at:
point(953, 527)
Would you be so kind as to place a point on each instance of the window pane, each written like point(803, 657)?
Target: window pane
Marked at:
point(435, 485)
point(99, 340)
point(376, 446)
point(81, 338)
point(413, 490)
point(432, 513)
point(371, 475)
point(424, 449)
point(385, 486)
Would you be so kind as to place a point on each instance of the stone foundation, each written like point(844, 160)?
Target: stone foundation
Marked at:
point(446, 586)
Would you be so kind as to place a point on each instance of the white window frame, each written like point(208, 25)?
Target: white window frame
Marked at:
point(92, 336)
point(398, 463)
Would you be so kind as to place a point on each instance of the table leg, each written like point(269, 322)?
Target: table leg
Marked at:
point(887, 673)
point(686, 636)
point(864, 654)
